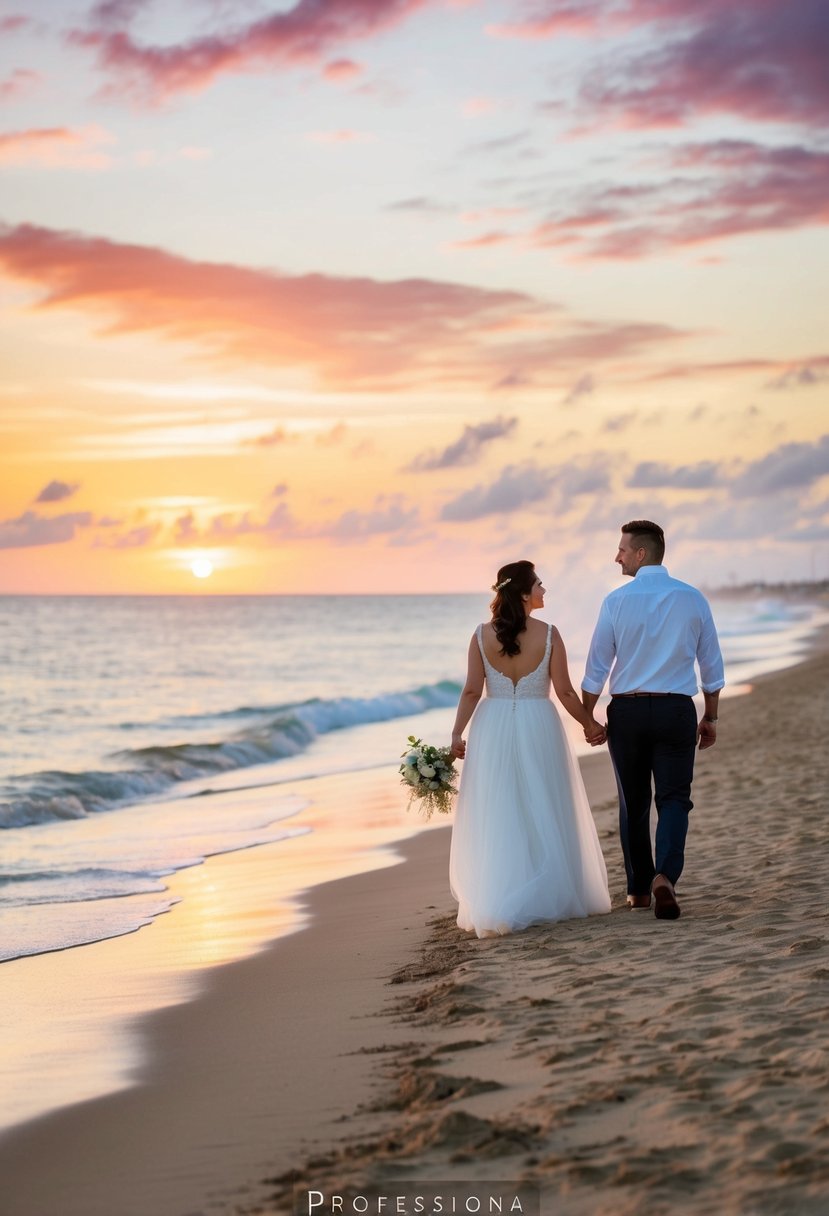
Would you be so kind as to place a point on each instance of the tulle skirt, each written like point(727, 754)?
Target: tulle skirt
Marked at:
point(524, 845)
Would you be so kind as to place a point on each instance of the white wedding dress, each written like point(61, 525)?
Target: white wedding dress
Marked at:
point(524, 845)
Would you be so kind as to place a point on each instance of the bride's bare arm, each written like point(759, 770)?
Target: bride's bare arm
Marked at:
point(471, 695)
point(565, 692)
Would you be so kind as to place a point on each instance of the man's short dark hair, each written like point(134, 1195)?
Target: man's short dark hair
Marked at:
point(644, 534)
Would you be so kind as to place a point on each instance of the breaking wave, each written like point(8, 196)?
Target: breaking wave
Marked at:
point(140, 774)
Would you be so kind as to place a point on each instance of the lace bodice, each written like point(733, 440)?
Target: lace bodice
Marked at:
point(533, 684)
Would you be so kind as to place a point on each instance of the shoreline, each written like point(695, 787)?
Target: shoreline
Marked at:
point(250, 1079)
point(623, 1064)
point(226, 909)
point(198, 1078)
point(231, 1071)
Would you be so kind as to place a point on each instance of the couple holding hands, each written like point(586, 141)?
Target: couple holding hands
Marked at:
point(524, 845)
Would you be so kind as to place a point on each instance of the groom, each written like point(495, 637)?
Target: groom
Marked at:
point(651, 631)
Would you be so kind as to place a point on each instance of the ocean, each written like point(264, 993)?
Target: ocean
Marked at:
point(121, 716)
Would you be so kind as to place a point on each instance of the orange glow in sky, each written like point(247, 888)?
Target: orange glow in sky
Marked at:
point(350, 297)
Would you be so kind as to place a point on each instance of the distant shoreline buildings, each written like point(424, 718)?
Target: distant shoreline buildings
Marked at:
point(797, 589)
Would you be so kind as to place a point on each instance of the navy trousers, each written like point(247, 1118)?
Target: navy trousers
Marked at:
point(652, 743)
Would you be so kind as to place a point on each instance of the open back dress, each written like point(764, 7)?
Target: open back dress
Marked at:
point(524, 845)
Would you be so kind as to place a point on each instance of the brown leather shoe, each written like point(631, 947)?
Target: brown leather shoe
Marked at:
point(639, 901)
point(665, 905)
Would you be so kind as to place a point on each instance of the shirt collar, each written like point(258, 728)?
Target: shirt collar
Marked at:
point(649, 571)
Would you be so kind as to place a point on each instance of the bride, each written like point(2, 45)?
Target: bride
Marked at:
point(524, 845)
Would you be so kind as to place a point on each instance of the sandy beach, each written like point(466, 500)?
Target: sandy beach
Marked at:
point(619, 1064)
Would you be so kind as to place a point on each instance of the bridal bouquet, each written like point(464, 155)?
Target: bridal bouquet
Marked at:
point(429, 773)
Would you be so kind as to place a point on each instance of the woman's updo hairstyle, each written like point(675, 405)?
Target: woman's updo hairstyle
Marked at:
point(509, 616)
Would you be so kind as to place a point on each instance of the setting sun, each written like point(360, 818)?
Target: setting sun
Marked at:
point(608, 310)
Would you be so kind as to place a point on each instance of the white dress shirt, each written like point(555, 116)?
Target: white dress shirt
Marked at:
point(651, 631)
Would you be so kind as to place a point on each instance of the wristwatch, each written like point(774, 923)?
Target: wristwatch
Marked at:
point(712, 720)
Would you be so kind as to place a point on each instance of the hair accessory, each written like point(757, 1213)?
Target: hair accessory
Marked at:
point(498, 586)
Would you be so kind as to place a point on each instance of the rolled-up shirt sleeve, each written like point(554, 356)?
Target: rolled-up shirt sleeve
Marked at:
point(709, 655)
point(601, 654)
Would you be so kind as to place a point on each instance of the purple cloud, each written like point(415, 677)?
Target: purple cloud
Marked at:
point(136, 538)
point(421, 206)
point(584, 387)
point(467, 448)
point(185, 530)
point(56, 491)
point(789, 467)
point(650, 474)
point(674, 61)
point(31, 530)
point(389, 515)
point(805, 375)
point(764, 60)
point(729, 188)
point(519, 486)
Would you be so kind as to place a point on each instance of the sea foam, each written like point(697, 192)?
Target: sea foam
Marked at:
point(140, 774)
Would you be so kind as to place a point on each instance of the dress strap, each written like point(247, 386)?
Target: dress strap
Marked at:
point(479, 634)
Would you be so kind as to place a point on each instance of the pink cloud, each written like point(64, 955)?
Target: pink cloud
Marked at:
point(491, 213)
point(342, 69)
point(271, 439)
point(485, 241)
point(597, 341)
point(550, 20)
point(305, 35)
point(56, 147)
point(352, 329)
point(532, 362)
point(20, 82)
point(14, 23)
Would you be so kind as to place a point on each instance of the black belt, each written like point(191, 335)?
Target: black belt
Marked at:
point(648, 694)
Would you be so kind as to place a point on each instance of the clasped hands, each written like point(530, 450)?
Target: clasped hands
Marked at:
point(595, 733)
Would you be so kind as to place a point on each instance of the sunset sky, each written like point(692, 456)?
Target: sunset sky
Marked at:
point(375, 295)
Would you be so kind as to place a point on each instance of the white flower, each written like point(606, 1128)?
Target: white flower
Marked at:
point(429, 773)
